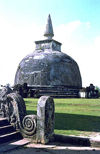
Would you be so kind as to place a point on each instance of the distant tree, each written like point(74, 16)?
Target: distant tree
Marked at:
point(8, 85)
point(97, 88)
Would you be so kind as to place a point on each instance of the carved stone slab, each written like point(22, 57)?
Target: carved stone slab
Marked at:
point(45, 120)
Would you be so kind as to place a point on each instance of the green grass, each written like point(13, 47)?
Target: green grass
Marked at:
point(73, 116)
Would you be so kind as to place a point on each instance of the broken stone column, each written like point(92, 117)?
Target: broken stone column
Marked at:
point(45, 120)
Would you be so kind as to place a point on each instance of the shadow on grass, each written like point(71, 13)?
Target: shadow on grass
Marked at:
point(77, 122)
point(65, 121)
point(31, 112)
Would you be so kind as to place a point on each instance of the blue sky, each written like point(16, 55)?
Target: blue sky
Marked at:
point(76, 25)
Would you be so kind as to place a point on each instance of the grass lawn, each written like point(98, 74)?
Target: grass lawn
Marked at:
point(79, 117)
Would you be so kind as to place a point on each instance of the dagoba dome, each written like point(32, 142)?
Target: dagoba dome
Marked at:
point(47, 65)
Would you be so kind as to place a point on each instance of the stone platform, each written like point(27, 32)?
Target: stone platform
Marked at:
point(52, 148)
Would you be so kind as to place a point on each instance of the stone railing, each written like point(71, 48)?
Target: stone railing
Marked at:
point(40, 127)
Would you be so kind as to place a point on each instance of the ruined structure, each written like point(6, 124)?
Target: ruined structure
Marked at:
point(89, 92)
point(48, 67)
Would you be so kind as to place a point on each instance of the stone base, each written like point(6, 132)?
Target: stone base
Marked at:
point(56, 91)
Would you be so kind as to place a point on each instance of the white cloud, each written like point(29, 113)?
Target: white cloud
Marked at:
point(63, 32)
point(88, 24)
point(97, 42)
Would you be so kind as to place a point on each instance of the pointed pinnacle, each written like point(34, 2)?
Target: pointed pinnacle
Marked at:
point(49, 29)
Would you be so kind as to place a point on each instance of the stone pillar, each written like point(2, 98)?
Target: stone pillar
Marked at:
point(45, 120)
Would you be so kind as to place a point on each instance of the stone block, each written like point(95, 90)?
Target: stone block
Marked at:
point(45, 120)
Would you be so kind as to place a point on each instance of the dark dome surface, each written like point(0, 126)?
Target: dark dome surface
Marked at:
point(45, 68)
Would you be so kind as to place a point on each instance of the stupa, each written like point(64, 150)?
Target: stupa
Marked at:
point(47, 66)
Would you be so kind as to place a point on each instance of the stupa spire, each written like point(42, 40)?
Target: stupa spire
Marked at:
point(49, 29)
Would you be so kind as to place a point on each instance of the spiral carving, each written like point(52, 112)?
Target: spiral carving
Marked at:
point(17, 115)
point(29, 125)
